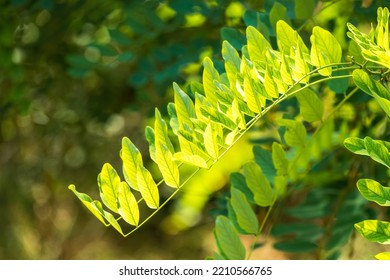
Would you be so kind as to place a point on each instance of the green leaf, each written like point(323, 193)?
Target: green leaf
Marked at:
point(131, 157)
point(246, 218)
point(383, 256)
point(92, 205)
point(295, 246)
point(147, 187)
point(234, 37)
point(295, 135)
point(304, 9)
point(194, 160)
point(288, 39)
point(264, 159)
point(184, 106)
point(112, 221)
point(325, 50)
point(279, 159)
point(257, 44)
point(149, 135)
point(237, 181)
point(127, 204)
point(356, 145)
point(264, 195)
point(228, 240)
point(310, 105)
point(232, 61)
point(377, 151)
point(373, 191)
point(108, 182)
point(167, 166)
point(373, 88)
point(277, 12)
point(374, 231)
point(161, 133)
point(339, 85)
point(210, 141)
point(210, 75)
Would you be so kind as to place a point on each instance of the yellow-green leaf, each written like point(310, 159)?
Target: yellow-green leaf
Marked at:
point(131, 157)
point(148, 187)
point(167, 166)
point(310, 105)
point(325, 50)
point(93, 206)
point(195, 160)
point(257, 44)
point(210, 141)
point(279, 159)
point(295, 135)
point(127, 204)
point(373, 191)
point(184, 106)
point(210, 75)
point(108, 182)
point(374, 231)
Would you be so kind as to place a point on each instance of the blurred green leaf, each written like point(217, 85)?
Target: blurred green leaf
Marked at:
point(246, 217)
point(228, 240)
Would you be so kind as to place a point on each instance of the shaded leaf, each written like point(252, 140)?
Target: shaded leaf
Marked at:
point(258, 184)
point(246, 217)
point(228, 240)
point(310, 105)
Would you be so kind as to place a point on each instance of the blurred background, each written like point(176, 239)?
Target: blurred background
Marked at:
point(75, 77)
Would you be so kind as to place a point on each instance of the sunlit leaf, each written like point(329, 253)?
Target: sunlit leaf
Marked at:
point(325, 50)
point(127, 204)
point(228, 240)
point(167, 166)
point(383, 256)
point(246, 217)
point(373, 191)
point(92, 205)
point(374, 231)
point(194, 160)
point(184, 106)
point(147, 187)
point(257, 44)
point(356, 145)
point(210, 75)
point(108, 182)
point(131, 157)
point(232, 61)
point(210, 141)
